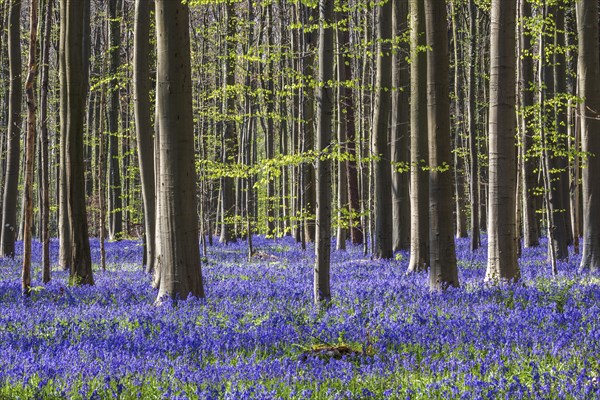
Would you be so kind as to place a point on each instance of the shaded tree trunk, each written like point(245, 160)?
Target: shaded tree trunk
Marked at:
point(382, 247)
point(588, 72)
point(325, 99)
point(400, 151)
point(442, 256)
point(75, 91)
point(29, 148)
point(115, 204)
point(13, 151)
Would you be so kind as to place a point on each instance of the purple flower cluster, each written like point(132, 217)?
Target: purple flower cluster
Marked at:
point(539, 338)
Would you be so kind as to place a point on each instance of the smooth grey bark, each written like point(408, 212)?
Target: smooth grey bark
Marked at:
point(419, 184)
point(13, 151)
point(143, 123)
point(400, 135)
point(325, 99)
point(115, 203)
point(588, 72)
point(442, 255)
point(382, 247)
point(502, 230)
point(75, 90)
point(177, 248)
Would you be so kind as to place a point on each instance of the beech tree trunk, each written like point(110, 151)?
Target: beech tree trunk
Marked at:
point(143, 124)
point(502, 230)
point(419, 194)
point(588, 72)
point(29, 148)
point(13, 151)
point(75, 95)
point(325, 98)
point(442, 256)
point(382, 247)
point(115, 204)
point(177, 248)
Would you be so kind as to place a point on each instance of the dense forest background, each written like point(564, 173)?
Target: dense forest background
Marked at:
point(394, 125)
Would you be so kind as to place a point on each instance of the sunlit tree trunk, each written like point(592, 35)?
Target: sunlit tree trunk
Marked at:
point(178, 248)
point(502, 229)
point(143, 127)
point(419, 185)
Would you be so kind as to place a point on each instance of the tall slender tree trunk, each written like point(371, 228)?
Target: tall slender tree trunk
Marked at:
point(347, 102)
point(144, 133)
point(382, 247)
point(342, 128)
point(472, 115)
point(229, 148)
point(502, 229)
point(400, 151)
point(325, 99)
point(308, 173)
point(442, 256)
point(13, 151)
point(45, 162)
point(178, 249)
point(419, 195)
point(588, 72)
point(64, 235)
point(529, 177)
point(115, 204)
point(29, 148)
point(75, 91)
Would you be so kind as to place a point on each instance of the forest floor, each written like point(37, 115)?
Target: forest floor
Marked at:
point(258, 334)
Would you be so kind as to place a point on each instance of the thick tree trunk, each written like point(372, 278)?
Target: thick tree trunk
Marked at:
point(75, 92)
point(64, 234)
point(382, 247)
point(502, 229)
point(143, 124)
point(13, 151)
point(419, 194)
point(442, 256)
point(588, 72)
point(178, 249)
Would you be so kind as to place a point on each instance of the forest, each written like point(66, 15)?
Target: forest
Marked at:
point(299, 199)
